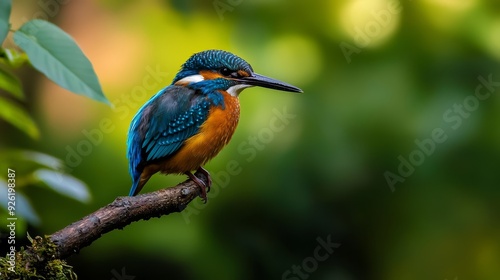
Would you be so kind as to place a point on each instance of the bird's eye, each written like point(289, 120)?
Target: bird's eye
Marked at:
point(226, 71)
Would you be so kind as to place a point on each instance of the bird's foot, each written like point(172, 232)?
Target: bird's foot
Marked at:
point(203, 187)
point(205, 172)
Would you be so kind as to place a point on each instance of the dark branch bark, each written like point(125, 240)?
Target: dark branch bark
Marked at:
point(45, 257)
point(121, 212)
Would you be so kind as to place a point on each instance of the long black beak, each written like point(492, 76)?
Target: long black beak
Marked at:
point(263, 81)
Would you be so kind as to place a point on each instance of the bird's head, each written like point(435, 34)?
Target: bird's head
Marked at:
point(220, 70)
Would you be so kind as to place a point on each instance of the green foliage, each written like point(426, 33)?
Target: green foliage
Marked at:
point(64, 184)
point(23, 208)
point(55, 54)
point(5, 7)
point(52, 52)
point(11, 84)
point(13, 58)
point(17, 116)
point(38, 169)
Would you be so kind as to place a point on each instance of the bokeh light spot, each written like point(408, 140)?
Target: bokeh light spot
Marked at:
point(370, 23)
point(292, 58)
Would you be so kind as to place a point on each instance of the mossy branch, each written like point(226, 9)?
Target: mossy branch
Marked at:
point(116, 215)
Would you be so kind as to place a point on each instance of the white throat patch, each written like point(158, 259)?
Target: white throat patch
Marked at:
point(235, 90)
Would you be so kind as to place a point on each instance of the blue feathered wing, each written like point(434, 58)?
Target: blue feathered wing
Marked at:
point(161, 126)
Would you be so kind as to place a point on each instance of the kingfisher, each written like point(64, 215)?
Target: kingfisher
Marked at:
point(187, 123)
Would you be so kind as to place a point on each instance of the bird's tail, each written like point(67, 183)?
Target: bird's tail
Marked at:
point(138, 182)
point(134, 189)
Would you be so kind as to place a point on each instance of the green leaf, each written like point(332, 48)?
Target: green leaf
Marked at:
point(23, 206)
point(26, 162)
point(14, 58)
point(5, 7)
point(41, 159)
point(64, 184)
point(55, 54)
point(11, 84)
point(13, 113)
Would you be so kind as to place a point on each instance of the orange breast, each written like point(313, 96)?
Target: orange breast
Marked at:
point(214, 134)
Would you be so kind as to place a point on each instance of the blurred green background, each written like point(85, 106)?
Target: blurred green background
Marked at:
point(392, 152)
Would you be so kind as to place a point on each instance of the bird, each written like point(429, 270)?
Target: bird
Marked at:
point(187, 123)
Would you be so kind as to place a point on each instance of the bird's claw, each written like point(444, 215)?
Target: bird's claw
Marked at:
point(203, 194)
point(203, 187)
point(209, 179)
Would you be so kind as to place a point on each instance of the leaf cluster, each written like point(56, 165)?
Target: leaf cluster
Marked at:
point(52, 52)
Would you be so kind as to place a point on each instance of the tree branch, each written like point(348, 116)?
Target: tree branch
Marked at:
point(45, 257)
point(122, 212)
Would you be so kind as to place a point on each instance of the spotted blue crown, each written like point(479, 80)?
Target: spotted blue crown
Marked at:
point(212, 60)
